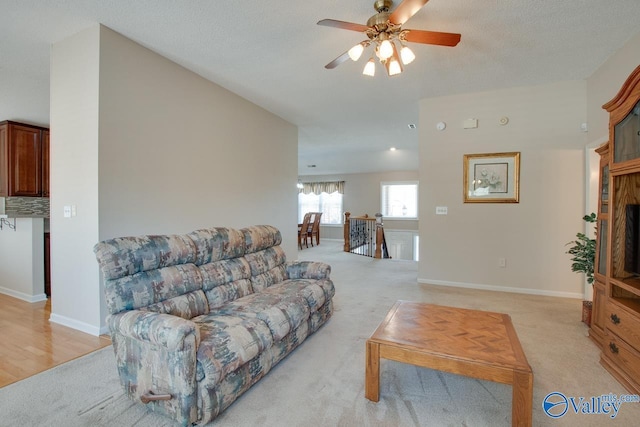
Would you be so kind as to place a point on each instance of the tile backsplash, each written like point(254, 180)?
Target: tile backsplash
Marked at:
point(25, 207)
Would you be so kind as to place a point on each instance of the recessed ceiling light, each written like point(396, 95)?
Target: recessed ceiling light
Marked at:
point(392, 149)
point(411, 126)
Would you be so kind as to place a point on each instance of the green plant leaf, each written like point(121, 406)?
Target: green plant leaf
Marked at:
point(583, 250)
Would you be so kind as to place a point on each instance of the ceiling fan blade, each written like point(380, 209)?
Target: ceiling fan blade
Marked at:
point(344, 25)
point(339, 60)
point(406, 10)
point(432, 37)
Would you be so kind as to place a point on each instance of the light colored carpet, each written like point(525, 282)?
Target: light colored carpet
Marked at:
point(322, 382)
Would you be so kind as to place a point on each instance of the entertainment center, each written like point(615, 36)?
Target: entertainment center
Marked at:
point(615, 323)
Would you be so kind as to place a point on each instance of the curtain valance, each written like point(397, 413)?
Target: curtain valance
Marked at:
point(322, 187)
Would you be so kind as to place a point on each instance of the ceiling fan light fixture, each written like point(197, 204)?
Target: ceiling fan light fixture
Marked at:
point(387, 37)
point(370, 68)
point(407, 55)
point(356, 51)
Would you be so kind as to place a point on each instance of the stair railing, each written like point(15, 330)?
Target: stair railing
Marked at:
point(364, 235)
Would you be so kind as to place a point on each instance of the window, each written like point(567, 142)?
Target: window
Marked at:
point(329, 204)
point(399, 200)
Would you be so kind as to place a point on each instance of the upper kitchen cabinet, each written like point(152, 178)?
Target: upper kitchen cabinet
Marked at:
point(24, 150)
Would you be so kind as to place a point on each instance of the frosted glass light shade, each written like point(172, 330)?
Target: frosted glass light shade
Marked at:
point(407, 55)
point(394, 67)
point(356, 51)
point(386, 49)
point(370, 68)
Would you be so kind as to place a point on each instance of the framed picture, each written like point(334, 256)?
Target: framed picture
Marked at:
point(491, 178)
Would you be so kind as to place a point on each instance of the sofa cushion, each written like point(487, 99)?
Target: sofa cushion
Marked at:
point(227, 343)
point(267, 267)
point(151, 287)
point(145, 270)
point(315, 292)
point(259, 237)
point(215, 244)
point(226, 280)
point(281, 313)
point(124, 256)
point(186, 306)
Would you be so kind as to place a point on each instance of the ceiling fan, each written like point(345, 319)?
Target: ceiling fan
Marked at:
point(383, 30)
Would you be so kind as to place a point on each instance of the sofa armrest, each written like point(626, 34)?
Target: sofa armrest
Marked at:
point(158, 329)
point(307, 270)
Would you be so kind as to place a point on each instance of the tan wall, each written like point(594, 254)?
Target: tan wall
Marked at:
point(362, 196)
point(463, 247)
point(178, 152)
point(22, 259)
point(76, 294)
point(166, 152)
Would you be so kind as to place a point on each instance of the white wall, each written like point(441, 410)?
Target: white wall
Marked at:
point(463, 247)
point(168, 152)
point(22, 259)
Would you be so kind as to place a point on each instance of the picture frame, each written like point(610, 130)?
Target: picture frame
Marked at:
point(491, 178)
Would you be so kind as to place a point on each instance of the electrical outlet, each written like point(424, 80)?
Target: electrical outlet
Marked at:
point(502, 262)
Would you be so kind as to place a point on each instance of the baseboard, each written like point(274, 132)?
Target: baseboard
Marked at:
point(502, 288)
point(22, 296)
point(78, 325)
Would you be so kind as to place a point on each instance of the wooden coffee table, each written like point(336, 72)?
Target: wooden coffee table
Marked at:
point(476, 344)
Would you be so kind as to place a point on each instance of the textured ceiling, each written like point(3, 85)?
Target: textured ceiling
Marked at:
point(273, 53)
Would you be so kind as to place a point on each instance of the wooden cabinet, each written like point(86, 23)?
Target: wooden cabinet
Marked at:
point(617, 285)
point(24, 149)
point(4, 162)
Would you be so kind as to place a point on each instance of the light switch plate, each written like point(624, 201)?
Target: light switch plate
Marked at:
point(441, 210)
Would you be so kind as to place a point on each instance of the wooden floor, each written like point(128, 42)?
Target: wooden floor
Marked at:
point(29, 343)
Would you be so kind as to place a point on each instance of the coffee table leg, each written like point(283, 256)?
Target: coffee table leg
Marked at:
point(372, 374)
point(522, 401)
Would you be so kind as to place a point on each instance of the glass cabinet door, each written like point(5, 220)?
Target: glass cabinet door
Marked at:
point(604, 190)
point(602, 246)
point(603, 213)
point(627, 137)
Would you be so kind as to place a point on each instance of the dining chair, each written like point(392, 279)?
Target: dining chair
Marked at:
point(303, 230)
point(314, 228)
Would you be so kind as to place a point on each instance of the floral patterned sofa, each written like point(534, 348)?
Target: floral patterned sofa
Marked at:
point(197, 319)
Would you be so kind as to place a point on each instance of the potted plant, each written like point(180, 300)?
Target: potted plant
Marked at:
point(583, 250)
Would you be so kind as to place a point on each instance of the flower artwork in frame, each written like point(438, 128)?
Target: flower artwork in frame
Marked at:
point(492, 178)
